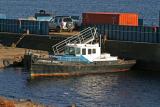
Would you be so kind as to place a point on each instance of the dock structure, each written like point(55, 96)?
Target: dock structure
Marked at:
point(129, 42)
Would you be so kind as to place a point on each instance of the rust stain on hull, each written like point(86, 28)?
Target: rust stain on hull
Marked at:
point(74, 74)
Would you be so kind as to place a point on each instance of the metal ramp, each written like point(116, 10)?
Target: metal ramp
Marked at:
point(85, 36)
point(19, 40)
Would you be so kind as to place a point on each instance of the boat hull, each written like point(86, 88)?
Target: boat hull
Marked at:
point(77, 69)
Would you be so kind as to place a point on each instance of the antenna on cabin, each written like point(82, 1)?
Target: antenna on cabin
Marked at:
point(100, 41)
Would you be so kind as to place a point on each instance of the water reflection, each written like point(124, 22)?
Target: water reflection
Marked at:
point(109, 90)
point(85, 91)
point(94, 86)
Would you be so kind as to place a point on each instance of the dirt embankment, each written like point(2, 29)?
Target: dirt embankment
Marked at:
point(4, 102)
point(9, 52)
point(64, 34)
point(10, 55)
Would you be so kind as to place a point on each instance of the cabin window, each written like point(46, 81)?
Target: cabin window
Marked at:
point(69, 51)
point(72, 51)
point(94, 51)
point(66, 50)
point(84, 51)
point(77, 51)
point(89, 51)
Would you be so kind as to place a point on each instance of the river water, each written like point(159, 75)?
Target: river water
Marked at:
point(125, 89)
point(147, 9)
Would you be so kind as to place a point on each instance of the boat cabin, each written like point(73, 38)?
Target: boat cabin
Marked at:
point(92, 52)
point(83, 49)
point(84, 53)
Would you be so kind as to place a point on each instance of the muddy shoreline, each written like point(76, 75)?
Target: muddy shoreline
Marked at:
point(5, 102)
point(12, 56)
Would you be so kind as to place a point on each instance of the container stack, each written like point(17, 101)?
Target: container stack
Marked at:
point(22, 26)
point(128, 19)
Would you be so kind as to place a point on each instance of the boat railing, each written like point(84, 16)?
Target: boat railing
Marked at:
point(85, 36)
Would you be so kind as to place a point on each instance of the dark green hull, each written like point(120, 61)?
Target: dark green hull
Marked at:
point(70, 69)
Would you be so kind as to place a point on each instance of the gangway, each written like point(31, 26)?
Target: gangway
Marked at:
point(19, 40)
point(85, 36)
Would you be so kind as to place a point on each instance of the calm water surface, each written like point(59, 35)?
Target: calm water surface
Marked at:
point(125, 89)
point(110, 90)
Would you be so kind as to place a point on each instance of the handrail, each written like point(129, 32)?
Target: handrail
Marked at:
point(83, 31)
point(19, 40)
point(85, 36)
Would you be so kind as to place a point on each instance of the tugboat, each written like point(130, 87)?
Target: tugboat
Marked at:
point(77, 55)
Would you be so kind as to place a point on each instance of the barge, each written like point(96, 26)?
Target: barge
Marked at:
point(140, 42)
point(77, 55)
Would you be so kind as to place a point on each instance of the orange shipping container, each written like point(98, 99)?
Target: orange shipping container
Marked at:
point(129, 19)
